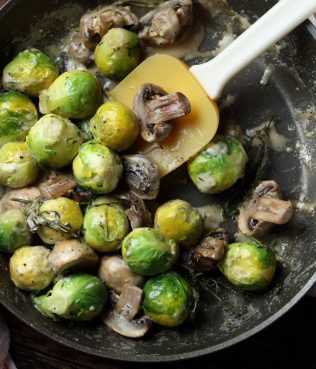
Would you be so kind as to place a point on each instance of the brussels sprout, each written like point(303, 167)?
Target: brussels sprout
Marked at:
point(105, 224)
point(177, 219)
point(115, 126)
point(18, 168)
point(118, 53)
point(85, 129)
point(14, 232)
point(31, 71)
point(97, 168)
point(76, 94)
point(168, 299)
point(249, 266)
point(219, 165)
point(63, 218)
point(78, 297)
point(54, 141)
point(17, 115)
point(147, 252)
point(30, 268)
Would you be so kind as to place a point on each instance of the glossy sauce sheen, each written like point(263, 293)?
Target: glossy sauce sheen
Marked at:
point(191, 133)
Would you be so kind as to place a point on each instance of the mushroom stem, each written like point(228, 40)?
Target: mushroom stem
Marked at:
point(269, 209)
point(57, 185)
point(168, 107)
point(128, 304)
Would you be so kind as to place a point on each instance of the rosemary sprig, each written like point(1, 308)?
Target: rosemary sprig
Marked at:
point(36, 218)
point(201, 281)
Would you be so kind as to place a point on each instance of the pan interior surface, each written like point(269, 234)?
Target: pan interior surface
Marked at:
point(279, 88)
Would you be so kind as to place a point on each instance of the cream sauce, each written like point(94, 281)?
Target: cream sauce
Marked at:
point(276, 140)
point(266, 75)
point(212, 216)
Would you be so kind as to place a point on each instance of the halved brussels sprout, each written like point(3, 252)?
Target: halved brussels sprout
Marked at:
point(18, 168)
point(54, 141)
point(97, 168)
point(14, 232)
point(17, 115)
point(177, 219)
point(249, 266)
point(76, 94)
point(115, 126)
point(118, 53)
point(219, 165)
point(78, 297)
point(31, 71)
point(105, 224)
point(31, 269)
point(60, 211)
point(147, 252)
point(168, 299)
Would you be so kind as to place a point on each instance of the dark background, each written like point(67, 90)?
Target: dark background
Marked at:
point(288, 343)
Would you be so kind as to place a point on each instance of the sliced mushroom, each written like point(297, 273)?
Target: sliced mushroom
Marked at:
point(141, 175)
point(136, 210)
point(155, 109)
point(57, 185)
point(132, 329)
point(128, 304)
point(69, 255)
point(78, 51)
point(7, 202)
point(94, 25)
point(265, 208)
point(205, 256)
point(116, 274)
point(122, 319)
point(164, 25)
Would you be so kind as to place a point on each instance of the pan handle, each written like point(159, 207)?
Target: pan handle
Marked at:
point(270, 28)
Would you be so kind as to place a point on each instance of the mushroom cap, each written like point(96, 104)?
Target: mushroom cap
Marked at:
point(151, 131)
point(116, 274)
point(94, 25)
point(264, 209)
point(72, 254)
point(132, 329)
point(156, 109)
point(141, 175)
point(135, 209)
point(163, 25)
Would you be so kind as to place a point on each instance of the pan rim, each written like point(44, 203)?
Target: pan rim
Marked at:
point(154, 358)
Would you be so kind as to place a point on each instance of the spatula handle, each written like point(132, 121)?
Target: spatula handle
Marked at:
point(271, 27)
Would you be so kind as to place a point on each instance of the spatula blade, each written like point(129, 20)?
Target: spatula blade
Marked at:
point(191, 133)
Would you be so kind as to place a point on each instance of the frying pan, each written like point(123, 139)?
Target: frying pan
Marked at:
point(288, 99)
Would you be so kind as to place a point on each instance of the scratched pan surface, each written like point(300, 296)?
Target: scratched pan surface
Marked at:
point(288, 99)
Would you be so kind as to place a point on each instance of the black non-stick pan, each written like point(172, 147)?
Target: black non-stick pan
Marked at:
point(287, 98)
